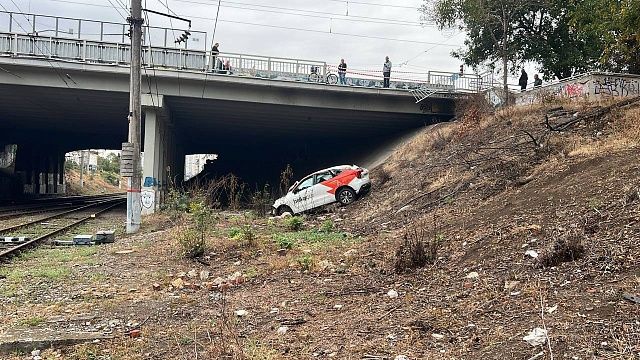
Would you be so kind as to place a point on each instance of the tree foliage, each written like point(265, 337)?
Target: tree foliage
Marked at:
point(564, 37)
point(110, 163)
point(615, 26)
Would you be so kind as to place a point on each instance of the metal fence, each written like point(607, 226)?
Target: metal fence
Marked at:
point(101, 42)
point(96, 30)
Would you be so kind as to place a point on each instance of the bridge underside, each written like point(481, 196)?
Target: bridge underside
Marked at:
point(254, 139)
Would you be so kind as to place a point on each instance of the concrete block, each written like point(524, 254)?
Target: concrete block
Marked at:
point(105, 237)
point(25, 340)
point(63, 242)
point(82, 239)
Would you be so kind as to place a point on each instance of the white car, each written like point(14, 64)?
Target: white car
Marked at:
point(341, 184)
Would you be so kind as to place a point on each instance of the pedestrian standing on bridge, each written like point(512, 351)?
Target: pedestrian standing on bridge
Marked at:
point(214, 56)
point(537, 82)
point(524, 79)
point(342, 72)
point(386, 72)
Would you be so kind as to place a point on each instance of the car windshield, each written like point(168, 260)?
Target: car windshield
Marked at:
point(305, 184)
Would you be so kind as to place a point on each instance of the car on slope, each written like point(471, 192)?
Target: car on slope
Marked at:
point(343, 184)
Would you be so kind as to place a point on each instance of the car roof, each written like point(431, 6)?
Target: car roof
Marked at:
point(341, 167)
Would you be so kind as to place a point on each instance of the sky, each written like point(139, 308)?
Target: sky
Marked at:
point(303, 29)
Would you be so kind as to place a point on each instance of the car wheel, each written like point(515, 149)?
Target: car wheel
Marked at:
point(283, 209)
point(346, 196)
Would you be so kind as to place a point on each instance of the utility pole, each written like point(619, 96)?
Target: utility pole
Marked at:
point(134, 205)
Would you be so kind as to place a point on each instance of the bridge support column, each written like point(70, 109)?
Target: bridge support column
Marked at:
point(159, 146)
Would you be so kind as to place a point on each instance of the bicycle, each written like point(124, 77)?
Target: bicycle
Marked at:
point(315, 76)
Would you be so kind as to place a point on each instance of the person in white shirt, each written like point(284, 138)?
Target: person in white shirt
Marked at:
point(386, 72)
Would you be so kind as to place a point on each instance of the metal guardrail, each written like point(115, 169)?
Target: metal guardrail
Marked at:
point(49, 40)
point(95, 30)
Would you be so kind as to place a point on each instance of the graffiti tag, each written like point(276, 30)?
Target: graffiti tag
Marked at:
point(616, 86)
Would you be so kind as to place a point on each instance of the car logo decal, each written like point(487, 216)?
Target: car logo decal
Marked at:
point(344, 178)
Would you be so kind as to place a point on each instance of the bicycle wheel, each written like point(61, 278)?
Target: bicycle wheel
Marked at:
point(332, 79)
point(314, 77)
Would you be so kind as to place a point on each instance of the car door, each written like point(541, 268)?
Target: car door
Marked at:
point(323, 191)
point(302, 195)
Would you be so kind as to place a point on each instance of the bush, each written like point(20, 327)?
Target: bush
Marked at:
point(327, 226)
point(294, 223)
point(416, 250)
point(565, 248)
point(261, 201)
point(192, 244)
point(284, 242)
point(383, 176)
point(306, 262)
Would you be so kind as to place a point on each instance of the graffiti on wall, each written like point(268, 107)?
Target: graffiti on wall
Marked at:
point(570, 90)
point(616, 86)
point(8, 156)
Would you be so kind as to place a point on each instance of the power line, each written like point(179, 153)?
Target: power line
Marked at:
point(406, 62)
point(155, 77)
point(37, 46)
point(375, 4)
point(282, 27)
point(403, 22)
point(117, 10)
point(265, 8)
point(329, 32)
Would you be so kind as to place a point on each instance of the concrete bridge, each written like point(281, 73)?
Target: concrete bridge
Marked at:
point(61, 94)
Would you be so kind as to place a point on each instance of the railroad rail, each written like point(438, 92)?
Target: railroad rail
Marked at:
point(10, 248)
point(36, 206)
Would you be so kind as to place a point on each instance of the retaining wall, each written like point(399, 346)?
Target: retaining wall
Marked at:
point(590, 86)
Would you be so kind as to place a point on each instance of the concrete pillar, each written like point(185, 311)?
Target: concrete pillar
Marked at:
point(153, 148)
point(158, 140)
point(51, 173)
point(62, 188)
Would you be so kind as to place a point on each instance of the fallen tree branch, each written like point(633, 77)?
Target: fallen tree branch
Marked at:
point(590, 115)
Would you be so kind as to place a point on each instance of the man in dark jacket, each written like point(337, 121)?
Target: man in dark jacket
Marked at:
point(342, 72)
point(524, 79)
point(214, 56)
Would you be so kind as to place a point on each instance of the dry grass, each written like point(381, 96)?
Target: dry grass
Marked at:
point(425, 142)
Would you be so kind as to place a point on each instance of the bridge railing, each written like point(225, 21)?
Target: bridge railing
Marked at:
point(95, 30)
point(49, 40)
point(461, 82)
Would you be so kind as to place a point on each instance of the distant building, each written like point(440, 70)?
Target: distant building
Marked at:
point(90, 159)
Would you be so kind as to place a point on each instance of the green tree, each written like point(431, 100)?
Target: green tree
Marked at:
point(493, 27)
point(550, 41)
point(615, 26)
point(110, 163)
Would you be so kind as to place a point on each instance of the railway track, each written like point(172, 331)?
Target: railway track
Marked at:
point(37, 206)
point(51, 225)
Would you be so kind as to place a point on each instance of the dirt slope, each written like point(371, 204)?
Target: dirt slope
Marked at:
point(487, 188)
point(94, 184)
point(495, 187)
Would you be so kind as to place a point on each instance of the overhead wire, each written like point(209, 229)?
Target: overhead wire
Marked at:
point(173, 32)
point(364, 18)
point(117, 10)
point(281, 27)
point(267, 9)
point(57, 71)
point(153, 68)
point(374, 4)
point(330, 32)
